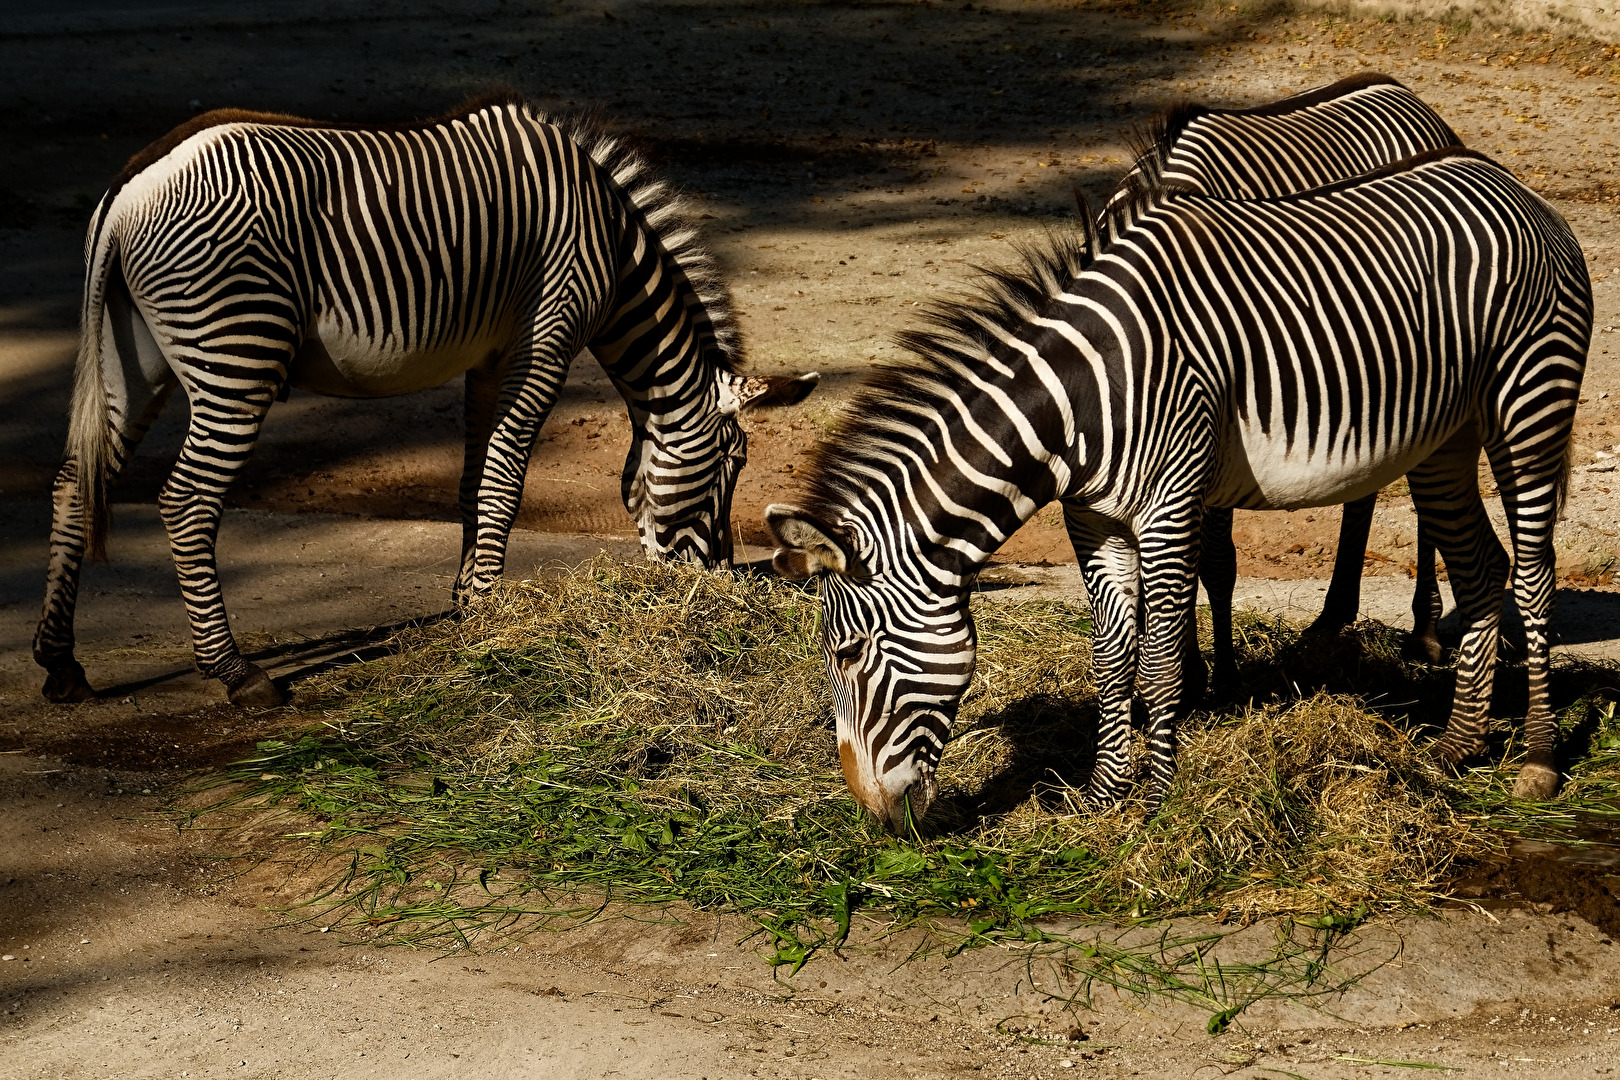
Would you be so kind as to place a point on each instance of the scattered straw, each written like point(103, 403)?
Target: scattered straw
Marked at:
point(653, 734)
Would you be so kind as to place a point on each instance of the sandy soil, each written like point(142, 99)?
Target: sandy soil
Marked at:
point(851, 161)
point(139, 950)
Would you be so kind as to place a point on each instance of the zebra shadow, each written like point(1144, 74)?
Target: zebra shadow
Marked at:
point(291, 662)
point(1040, 747)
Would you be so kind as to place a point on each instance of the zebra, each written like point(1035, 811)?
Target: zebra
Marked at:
point(1297, 351)
point(1331, 133)
point(246, 253)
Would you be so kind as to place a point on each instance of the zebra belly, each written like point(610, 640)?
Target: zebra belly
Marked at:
point(1260, 472)
point(346, 365)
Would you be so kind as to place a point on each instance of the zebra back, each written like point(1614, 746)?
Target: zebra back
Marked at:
point(1320, 137)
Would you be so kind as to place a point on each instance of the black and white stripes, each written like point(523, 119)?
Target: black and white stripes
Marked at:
point(1296, 351)
point(1333, 133)
point(244, 253)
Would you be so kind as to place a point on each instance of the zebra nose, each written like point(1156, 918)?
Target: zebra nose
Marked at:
point(906, 811)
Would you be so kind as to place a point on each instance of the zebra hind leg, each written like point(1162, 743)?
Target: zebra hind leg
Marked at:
point(222, 435)
point(1445, 489)
point(1423, 644)
point(1529, 496)
point(65, 680)
point(136, 384)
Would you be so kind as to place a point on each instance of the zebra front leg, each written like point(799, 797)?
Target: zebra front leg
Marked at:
point(1217, 566)
point(1170, 596)
point(482, 396)
point(1445, 490)
point(521, 394)
point(1424, 641)
point(1343, 601)
point(1108, 564)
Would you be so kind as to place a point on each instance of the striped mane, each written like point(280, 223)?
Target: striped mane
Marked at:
point(667, 216)
point(659, 204)
point(957, 337)
point(1143, 186)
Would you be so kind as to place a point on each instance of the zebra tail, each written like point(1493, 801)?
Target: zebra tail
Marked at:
point(89, 442)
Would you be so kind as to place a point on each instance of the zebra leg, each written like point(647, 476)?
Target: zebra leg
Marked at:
point(1424, 641)
point(527, 389)
point(136, 384)
point(1445, 489)
point(1108, 564)
point(53, 640)
point(222, 435)
point(1170, 595)
point(482, 396)
point(1530, 498)
point(1218, 568)
point(1344, 594)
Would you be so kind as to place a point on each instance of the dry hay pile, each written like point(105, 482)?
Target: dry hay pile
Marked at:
point(672, 706)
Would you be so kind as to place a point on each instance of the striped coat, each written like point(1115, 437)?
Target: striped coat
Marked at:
point(245, 253)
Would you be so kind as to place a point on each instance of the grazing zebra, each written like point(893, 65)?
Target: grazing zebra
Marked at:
point(245, 253)
point(1263, 354)
point(1320, 137)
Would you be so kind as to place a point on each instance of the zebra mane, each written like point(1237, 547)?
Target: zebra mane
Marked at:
point(667, 214)
point(958, 336)
point(1143, 187)
point(658, 203)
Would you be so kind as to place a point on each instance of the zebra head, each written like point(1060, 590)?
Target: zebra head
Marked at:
point(678, 480)
point(899, 646)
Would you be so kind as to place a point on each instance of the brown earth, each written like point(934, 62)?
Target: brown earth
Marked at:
point(851, 161)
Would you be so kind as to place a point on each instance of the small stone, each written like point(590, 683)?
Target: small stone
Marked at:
point(1065, 1064)
point(8, 956)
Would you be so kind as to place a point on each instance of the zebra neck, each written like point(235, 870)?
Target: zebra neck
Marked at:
point(657, 344)
point(942, 484)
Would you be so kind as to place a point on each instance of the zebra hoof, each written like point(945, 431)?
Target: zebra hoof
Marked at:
point(1448, 757)
point(1425, 649)
point(67, 683)
point(1536, 783)
point(1327, 626)
point(256, 691)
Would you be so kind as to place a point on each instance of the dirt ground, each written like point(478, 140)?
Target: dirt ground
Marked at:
point(851, 161)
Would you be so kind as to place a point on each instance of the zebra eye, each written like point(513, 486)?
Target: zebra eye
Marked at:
point(851, 652)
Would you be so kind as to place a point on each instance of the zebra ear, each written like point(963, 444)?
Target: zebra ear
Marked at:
point(771, 391)
point(805, 545)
